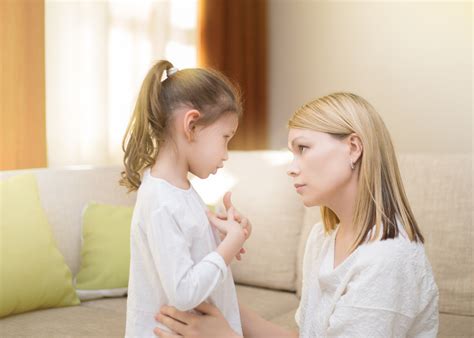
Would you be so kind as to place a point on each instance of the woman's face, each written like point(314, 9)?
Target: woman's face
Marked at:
point(321, 166)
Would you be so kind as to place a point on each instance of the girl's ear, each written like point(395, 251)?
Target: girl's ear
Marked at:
point(190, 119)
point(355, 146)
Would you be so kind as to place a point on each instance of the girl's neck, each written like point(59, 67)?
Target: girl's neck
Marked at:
point(171, 167)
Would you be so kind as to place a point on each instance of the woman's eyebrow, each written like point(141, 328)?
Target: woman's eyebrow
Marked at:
point(294, 140)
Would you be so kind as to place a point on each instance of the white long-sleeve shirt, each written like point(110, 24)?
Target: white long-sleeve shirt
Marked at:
point(383, 289)
point(173, 258)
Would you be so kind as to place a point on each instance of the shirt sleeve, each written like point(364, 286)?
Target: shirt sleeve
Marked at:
point(384, 300)
point(186, 283)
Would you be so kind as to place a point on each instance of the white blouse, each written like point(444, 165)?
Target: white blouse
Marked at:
point(383, 289)
point(173, 258)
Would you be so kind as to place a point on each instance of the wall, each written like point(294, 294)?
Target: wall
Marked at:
point(22, 85)
point(412, 61)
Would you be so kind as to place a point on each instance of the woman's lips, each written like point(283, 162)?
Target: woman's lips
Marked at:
point(299, 187)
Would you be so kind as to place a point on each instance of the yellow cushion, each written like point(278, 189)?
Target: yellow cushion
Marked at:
point(105, 254)
point(33, 274)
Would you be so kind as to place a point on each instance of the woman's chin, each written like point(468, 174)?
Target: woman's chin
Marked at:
point(308, 202)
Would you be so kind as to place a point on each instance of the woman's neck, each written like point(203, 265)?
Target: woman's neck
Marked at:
point(171, 167)
point(344, 207)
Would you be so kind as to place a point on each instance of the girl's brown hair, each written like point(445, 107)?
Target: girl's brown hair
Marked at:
point(205, 90)
point(381, 198)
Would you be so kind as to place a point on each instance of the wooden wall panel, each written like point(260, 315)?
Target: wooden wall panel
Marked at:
point(22, 84)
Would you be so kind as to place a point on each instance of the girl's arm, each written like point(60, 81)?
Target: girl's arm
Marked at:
point(186, 283)
point(255, 326)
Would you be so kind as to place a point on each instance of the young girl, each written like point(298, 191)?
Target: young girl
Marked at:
point(180, 124)
point(365, 271)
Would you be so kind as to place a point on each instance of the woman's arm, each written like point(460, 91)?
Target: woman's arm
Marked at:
point(213, 324)
point(255, 326)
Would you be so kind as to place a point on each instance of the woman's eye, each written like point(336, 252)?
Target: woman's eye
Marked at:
point(302, 148)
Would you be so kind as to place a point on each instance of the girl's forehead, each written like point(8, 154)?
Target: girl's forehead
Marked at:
point(228, 120)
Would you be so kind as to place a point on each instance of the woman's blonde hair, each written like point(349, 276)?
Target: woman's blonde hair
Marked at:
point(381, 198)
point(205, 90)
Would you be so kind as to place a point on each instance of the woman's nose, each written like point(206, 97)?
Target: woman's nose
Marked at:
point(292, 170)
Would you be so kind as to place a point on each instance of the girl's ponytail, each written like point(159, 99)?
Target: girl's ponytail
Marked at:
point(145, 131)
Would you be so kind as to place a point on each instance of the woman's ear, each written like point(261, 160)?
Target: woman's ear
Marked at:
point(190, 119)
point(355, 146)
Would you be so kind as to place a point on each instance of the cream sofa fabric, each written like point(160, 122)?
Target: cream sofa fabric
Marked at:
point(439, 187)
point(263, 192)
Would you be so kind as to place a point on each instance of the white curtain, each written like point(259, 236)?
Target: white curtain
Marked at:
point(97, 54)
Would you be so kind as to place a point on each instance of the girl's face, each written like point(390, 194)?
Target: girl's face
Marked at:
point(321, 167)
point(209, 148)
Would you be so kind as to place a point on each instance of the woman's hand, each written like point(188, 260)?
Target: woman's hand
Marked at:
point(210, 324)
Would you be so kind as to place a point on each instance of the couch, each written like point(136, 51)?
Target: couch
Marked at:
point(439, 187)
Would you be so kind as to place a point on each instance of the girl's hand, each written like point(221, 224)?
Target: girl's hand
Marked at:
point(246, 225)
point(237, 215)
point(210, 324)
point(228, 224)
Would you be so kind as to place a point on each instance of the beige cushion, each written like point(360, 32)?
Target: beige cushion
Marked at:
point(455, 326)
point(287, 320)
point(439, 188)
point(268, 303)
point(265, 194)
point(104, 319)
point(65, 192)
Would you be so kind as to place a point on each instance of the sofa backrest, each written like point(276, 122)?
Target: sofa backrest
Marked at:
point(261, 190)
point(439, 189)
point(264, 193)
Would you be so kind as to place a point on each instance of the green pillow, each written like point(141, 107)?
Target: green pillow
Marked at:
point(105, 254)
point(33, 274)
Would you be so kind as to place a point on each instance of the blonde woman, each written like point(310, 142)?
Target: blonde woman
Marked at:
point(365, 271)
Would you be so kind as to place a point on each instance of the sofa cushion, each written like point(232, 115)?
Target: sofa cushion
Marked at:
point(264, 193)
point(33, 272)
point(455, 326)
point(287, 320)
point(439, 188)
point(64, 192)
point(105, 253)
point(266, 302)
point(105, 318)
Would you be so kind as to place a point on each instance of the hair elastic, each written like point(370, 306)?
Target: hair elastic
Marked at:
point(171, 71)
